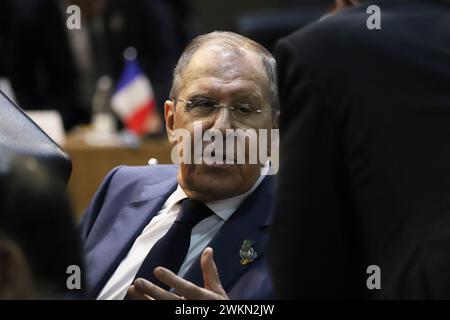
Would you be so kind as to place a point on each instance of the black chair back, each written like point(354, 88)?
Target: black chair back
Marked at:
point(19, 135)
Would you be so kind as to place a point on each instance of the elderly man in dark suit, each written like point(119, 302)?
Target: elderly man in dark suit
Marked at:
point(364, 189)
point(145, 217)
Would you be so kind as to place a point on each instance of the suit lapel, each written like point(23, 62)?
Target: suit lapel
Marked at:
point(249, 222)
point(132, 218)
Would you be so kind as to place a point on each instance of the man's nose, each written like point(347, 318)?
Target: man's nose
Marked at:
point(223, 119)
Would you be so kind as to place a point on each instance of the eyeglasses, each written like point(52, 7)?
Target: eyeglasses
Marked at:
point(204, 108)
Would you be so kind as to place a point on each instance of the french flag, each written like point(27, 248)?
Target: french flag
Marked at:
point(133, 100)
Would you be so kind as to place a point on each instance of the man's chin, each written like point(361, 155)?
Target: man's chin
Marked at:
point(213, 168)
point(207, 192)
point(215, 181)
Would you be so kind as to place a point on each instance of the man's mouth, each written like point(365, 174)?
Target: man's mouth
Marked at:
point(217, 160)
point(221, 158)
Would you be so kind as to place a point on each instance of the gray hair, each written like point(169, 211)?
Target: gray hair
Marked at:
point(236, 43)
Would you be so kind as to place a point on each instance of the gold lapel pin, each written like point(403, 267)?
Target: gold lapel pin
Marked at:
point(247, 253)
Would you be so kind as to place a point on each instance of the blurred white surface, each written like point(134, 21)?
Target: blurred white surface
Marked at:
point(51, 122)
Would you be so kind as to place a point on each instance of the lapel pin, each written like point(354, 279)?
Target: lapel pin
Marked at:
point(247, 253)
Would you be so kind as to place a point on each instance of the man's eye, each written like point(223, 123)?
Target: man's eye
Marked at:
point(203, 103)
point(243, 108)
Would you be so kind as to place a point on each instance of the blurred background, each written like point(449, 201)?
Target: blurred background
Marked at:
point(95, 79)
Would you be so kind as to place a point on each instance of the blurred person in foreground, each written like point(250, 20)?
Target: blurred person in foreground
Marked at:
point(364, 177)
point(38, 241)
point(166, 215)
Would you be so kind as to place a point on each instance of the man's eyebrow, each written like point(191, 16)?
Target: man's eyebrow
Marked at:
point(199, 96)
point(251, 95)
point(247, 95)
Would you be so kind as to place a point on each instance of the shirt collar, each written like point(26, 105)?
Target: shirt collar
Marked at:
point(223, 208)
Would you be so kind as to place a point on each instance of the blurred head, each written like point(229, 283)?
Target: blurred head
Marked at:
point(38, 240)
point(229, 70)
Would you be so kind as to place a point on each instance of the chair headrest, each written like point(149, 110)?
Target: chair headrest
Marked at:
point(19, 135)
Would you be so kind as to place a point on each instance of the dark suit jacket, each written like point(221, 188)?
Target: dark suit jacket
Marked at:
point(131, 196)
point(365, 155)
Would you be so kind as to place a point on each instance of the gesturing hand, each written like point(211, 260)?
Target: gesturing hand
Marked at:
point(213, 290)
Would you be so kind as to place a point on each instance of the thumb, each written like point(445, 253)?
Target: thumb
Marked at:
point(211, 276)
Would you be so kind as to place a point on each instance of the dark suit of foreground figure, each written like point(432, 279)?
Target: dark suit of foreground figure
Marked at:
point(365, 171)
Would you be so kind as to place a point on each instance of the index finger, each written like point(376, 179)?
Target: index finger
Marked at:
point(183, 287)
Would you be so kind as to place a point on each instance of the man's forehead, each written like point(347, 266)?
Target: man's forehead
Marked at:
point(242, 88)
point(215, 60)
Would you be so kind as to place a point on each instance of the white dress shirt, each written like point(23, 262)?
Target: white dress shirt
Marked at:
point(202, 234)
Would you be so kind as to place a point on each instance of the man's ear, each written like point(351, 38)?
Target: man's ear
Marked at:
point(15, 275)
point(275, 121)
point(169, 115)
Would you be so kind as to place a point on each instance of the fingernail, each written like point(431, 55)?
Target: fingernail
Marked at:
point(138, 282)
point(158, 270)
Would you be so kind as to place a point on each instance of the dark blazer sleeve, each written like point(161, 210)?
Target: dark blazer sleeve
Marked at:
point(364, 156)
point(95, 206)
point(309, 251)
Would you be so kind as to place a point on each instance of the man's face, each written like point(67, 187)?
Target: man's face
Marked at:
point(226, 77)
